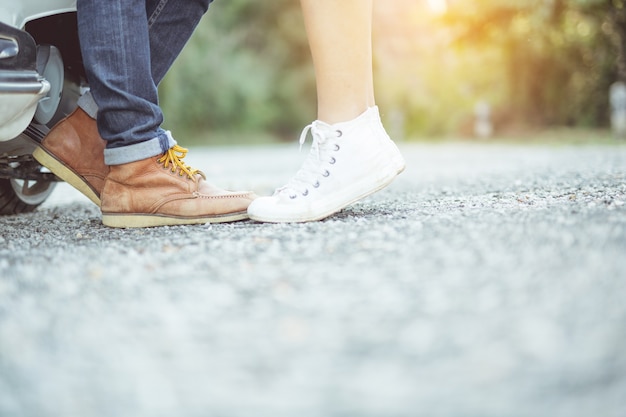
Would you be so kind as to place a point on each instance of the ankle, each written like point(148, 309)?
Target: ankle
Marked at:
point(343, 115)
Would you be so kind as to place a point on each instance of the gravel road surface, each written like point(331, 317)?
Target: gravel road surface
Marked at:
point(486, 281)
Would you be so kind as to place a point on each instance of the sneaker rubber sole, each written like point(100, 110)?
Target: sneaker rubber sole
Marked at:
point(67, 174)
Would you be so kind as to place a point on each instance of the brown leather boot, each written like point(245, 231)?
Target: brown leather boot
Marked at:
point(74, 151)
point(162, 191)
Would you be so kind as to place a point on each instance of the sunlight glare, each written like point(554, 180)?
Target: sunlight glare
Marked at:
point(438, 6)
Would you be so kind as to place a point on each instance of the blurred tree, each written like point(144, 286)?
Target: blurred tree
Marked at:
point(538, 62)
point(615, 28)
point(247, 67)
point(558, 60)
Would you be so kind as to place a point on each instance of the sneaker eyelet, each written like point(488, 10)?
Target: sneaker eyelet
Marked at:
point(293, 196)
point(332, 161)
point(337, 147)
point(339, 133)
point(305, 193)
point(326, 173)
point(317, 184)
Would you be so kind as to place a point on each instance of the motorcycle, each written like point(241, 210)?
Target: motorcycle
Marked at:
point(41, 79)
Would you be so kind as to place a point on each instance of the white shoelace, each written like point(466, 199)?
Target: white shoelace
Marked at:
point(317, 164)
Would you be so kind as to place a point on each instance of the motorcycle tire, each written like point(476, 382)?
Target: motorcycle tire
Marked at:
point(21, 196)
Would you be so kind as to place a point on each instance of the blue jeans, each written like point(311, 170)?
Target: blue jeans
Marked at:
point(127, 47)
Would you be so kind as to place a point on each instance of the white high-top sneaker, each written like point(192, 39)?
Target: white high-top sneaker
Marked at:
point(347, 162)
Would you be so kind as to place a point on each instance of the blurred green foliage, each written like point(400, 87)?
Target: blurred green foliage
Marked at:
point(538, 63)
point(558, 57)
point(246, 68)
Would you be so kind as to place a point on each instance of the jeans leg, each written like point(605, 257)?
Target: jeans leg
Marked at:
point(115, 45)
point(171, 24)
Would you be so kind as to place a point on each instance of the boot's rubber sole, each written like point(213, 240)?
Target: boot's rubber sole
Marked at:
point(66, 173)
point(130, 220)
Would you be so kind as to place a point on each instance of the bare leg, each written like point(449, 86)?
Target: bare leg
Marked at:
point(340, 34)
point(351, 155)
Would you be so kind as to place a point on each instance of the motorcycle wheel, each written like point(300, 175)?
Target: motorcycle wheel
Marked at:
point(22, 196)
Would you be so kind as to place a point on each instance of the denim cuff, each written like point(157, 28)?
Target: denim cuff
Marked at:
point(87, 103)
point(139, 151)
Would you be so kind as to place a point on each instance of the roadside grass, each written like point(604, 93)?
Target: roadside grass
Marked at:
point(548, 137)
point(225, 138)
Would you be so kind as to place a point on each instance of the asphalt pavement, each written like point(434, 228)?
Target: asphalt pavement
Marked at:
point(486, 281)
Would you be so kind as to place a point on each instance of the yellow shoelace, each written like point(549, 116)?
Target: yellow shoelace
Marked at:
point(174, 156)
